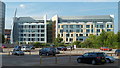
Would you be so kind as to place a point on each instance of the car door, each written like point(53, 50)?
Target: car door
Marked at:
point(85, 57)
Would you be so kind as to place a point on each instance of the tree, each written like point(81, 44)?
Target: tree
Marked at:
point(58, 41)
point(37, 44)
point(77, 43)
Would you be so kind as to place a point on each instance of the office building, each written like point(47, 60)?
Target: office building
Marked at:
point(78, 28)
point(2, 17)
point(7, 35)
point(29, 29)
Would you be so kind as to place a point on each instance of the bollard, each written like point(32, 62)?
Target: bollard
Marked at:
point(55, 59)
point(29, 52)
point(40, 59)
point(9, 53)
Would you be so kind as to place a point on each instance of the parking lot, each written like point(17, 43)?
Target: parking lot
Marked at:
point(66, 58)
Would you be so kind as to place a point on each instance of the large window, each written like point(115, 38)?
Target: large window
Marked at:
point(81, 26)
point(77, 30)
point(42, 26)
point(87, 30)
point(71, 26)
point(42, 35)
point(67, 35)
point(98, 30)
point(77, 26)
point(87, 26)
point(61, 31)
point(101, 26)
point(71, 39)
point(42, 30)
point(42, 39)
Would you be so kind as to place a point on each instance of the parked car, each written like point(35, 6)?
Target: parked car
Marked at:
point(3, 46)
point(26, 48)
point(17, 47)
point(92, 57)
point(62, 48)
point(117, 52)
point(105, 49)
point(32, 47)
point(109, 59)
point(17, 52)
point(48, 51)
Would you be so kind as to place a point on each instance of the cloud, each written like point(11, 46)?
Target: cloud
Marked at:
point(22, 5)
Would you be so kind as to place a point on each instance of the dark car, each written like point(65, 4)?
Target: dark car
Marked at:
point(62, 48)
point(92, 57)
point(17, 47)
point(117, 52)
point(48, 51)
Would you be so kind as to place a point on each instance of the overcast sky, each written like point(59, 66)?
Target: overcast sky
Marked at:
point(61, 8)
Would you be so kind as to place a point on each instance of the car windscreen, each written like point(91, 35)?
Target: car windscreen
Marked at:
point(100, 55)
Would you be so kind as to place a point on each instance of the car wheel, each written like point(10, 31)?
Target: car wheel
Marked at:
point(79, 60)
point(108, 61)
point(93, 62)
point(40, 53)
point(47, 54)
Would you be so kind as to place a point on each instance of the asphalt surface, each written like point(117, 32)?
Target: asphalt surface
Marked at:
point(34, 60)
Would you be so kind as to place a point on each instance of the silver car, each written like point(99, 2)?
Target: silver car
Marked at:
point(17, 52)
point(109, 59)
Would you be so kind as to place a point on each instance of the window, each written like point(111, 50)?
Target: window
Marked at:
point(71, 35)
point(107, 26)
point(61, 31)
point(42, 30)
point(66, 26)
point(38, 30)
point(71, 26)
point(91, 26)
point(77, 30)
point(42, 26)
point(61, 35)
point(58, 26)
point(77, 26)
point(71, 30)
point(66, 30)
point(29, 35)
point(62, 26)
point(80, 34)
point(28, 39)
point(33, 26)
point(97, 26)
point(33, 35)
point(38, 39)
point(81, 39)
point(108, 29)
point(98, 30)
point(92, 30)
point(67, 35)
point(81, 26)
point(81, 30)
point(87, 26)
point(42, 35)
point(66, 39)
point(87, 30)
point(42, 39)
point(86, 54)
point(111, 26)
point(76, 35)
point(101, 26)
point(86, 34)
point(71, 39)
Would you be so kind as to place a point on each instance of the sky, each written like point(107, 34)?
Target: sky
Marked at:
point(60, 8)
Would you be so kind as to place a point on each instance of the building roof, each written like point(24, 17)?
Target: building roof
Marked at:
point(87, 17)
